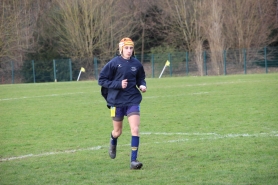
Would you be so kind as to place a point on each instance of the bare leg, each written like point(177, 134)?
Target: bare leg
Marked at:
point(117, 128)
point(134, 122)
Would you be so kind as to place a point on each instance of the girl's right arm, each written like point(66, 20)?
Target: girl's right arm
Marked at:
point(106, 77)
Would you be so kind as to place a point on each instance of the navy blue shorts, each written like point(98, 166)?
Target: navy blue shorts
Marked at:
point(120, 112)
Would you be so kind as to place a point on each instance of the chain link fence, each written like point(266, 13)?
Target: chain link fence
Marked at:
point(227, 62)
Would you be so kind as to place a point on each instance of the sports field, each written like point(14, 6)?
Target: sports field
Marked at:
point(194, 130)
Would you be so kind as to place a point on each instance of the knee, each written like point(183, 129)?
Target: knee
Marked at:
point(135, 130)
point(117, 133)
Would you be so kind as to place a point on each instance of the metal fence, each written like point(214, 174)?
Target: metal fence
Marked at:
point(227, 62)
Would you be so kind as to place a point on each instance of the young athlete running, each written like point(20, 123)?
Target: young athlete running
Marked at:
point(121, 79)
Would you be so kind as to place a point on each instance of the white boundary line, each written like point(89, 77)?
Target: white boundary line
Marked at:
point(215, 136)
point(65, 94)
point(206, 84)
point(50, 153)
point(178, 133)
point(188, 85)
point(50, 95)
point(196, 93)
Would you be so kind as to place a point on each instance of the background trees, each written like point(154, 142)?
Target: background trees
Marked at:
point(186, 27)
point(17, 28)
point(83, 29)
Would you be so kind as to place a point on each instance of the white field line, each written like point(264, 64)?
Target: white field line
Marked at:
point(215, 83)
point(214, 137)
point(197, 93)
point(203, 84)
point(50, 153)
point(30, 97)
point(65, 94)
point(178, 133)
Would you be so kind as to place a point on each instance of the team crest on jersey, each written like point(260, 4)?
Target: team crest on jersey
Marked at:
point(133, 68)
point(119, 65)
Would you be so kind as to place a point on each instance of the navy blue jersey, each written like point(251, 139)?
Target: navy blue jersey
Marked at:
point(111, 77)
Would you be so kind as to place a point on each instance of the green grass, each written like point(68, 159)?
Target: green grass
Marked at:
point(194, 130)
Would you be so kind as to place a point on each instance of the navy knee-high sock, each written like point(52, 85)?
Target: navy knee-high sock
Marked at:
point(134, 147)
point(113, 140)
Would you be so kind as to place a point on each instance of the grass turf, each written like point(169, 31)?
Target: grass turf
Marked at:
point(194, 130)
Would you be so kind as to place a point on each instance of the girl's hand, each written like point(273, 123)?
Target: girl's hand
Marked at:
point(124, 83)
point(143, 88)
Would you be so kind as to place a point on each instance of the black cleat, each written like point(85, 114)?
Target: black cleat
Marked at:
point(135, 165)
point(112, 151)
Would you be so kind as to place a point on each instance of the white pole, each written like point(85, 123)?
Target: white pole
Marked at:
point(162, 71)
point(79, 75)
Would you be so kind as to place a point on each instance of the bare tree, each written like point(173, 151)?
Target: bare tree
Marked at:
point(17, 25)
point(249, 24)
point(186, 18)
point(138, 24)
point(213, 24)
point(223, 24)
point(77, 27)
point(85, 29)
point(140, 8)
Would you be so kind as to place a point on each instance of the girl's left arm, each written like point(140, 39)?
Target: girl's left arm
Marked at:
point(140, 78)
